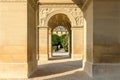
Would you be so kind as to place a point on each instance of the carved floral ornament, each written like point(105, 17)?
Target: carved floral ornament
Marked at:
point(75, 12)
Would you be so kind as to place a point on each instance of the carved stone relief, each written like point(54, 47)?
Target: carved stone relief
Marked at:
point(43, 12)
point(75, 12)
point(78, 16)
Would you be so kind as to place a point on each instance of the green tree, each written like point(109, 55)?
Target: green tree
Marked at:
point(64, 41)
point(55, 39)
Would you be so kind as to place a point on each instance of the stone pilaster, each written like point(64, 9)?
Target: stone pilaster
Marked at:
point(106, 55)
point(77, 42)
point(50, 43)
point(43, 43)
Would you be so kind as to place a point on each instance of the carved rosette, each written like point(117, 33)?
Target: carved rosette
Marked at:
point(75, 12)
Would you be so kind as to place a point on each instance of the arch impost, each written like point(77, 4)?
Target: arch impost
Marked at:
point(42, 26)
point(76, 27)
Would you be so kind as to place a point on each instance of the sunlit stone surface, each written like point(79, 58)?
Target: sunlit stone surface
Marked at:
point(93, 26)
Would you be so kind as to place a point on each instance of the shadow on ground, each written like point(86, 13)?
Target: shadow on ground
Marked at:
point(59, 57)
point(57, 68)
point(79, 75)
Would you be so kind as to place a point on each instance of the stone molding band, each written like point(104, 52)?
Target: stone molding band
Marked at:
point(77, 27)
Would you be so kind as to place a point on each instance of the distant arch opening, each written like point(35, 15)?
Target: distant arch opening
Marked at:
point(60, 42)
point(60, 36)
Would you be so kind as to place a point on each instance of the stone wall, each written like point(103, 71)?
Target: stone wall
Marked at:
point(13, 39)
point(18, 38)
point(102, 26)
point(106, 52)
point(106, 31)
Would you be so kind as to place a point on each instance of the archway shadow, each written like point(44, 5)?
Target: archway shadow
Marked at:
point(59, 57)
point(78, 75)
point(56, 68)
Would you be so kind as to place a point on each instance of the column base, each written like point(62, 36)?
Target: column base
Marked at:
point(13, 70)
point(88, 67)
point(108, 71)
point(32, 68)
point(103, 71)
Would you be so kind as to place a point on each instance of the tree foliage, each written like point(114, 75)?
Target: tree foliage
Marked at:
point(55, 39)
point(64, 41)
point(60, 40)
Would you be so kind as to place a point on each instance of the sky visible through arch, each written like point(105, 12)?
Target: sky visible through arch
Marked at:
point(60, 28)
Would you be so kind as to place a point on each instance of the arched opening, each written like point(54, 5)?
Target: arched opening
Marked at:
point(59, 36)
point(60, 42)
point(72, 20)
point(75, 31)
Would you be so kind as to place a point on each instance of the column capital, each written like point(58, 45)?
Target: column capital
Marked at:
point(42, 26)
point(77, 26)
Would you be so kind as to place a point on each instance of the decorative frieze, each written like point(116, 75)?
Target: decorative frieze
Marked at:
point(74, 11)
point(43, 12)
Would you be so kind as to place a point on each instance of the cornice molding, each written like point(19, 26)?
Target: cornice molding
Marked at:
point(76, 27)
point(59, 5)
point(78, 2)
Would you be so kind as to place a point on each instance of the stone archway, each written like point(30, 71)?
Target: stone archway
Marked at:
point(71, 18)
point(59, 19)
point(73, 21)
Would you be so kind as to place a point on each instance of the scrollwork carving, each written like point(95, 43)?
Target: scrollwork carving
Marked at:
point(75, 12)
point(43, 14)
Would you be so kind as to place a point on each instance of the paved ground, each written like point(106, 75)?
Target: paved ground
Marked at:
point(59, 70)
point(61, 54)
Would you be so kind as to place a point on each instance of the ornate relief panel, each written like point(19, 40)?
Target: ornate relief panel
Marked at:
point(75, 11)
